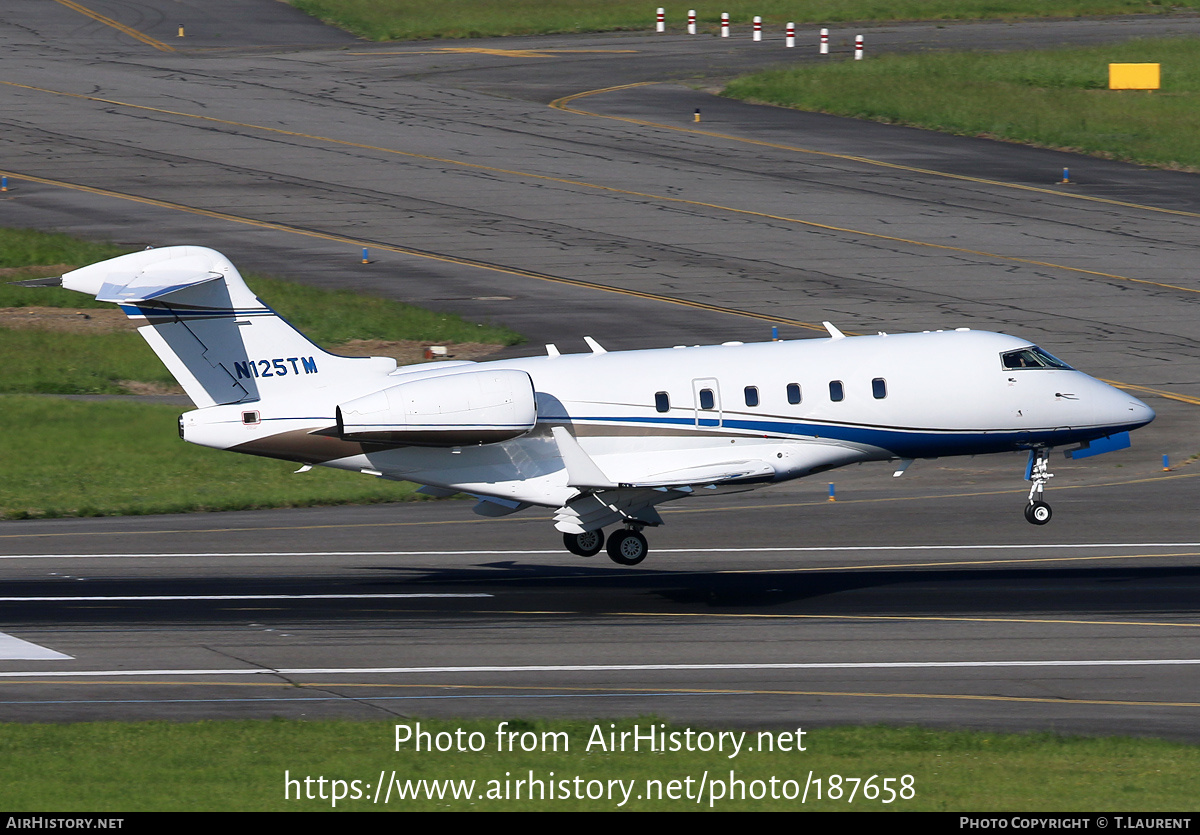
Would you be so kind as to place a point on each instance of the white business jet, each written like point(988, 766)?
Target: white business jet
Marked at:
point(603, 438)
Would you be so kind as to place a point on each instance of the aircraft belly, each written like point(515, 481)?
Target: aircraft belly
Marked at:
point(526, 469)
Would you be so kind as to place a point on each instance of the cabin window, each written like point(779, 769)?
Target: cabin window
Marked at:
point(879, 388)
point(662, 401)
point(1032, 357)
point(707, 400)
point(250, 418)
point(837, 392)
point(751, 395)
point(793, 393)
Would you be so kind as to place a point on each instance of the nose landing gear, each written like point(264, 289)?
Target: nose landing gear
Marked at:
point(1037, 512)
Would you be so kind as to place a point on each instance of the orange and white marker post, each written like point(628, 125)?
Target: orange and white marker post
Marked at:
point(790, 38)
point(660, 25)
point(858, 47)
point(757, 28)
point(824, 41)
point(724, 24)
point(691, 21)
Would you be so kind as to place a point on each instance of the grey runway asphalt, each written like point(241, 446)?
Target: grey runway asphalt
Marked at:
point(913, 606)
point(617, 216)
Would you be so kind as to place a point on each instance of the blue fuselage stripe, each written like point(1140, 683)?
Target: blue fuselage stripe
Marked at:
point(905, 443)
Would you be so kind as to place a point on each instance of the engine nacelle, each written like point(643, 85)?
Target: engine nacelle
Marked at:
point(468, 409)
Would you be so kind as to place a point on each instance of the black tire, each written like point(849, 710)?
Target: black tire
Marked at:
point(627, 547)
point(1038, 513)
point(584, 544)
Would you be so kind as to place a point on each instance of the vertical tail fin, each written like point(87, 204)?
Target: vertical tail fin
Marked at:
point(220, 342)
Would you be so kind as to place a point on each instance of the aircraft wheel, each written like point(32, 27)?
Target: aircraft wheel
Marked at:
point(584, 544)
point(1038, 513)
point(627, 547)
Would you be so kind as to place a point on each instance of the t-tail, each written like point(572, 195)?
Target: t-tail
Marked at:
point(214, 335)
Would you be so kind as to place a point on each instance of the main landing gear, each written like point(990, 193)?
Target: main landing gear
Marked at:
point(625, 547)
point(584, 544)
point(1037, 512)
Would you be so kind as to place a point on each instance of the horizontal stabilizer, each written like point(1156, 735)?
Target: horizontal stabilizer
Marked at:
point(157, 288)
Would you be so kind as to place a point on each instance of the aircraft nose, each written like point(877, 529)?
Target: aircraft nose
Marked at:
point(1139, 412)
point(1119, 408)
point(1123, 409)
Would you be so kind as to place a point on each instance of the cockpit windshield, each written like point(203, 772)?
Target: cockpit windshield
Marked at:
point(1032, 357)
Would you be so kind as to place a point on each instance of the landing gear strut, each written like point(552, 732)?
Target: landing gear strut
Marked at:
point(1037, 512)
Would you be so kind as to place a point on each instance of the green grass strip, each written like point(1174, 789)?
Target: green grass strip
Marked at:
point(241, 766)
point(388, 20)
point(24, 247)
point(85, 458)
point(330, 317)
point(1050, 98)
point(46, 362)
point(49, 362)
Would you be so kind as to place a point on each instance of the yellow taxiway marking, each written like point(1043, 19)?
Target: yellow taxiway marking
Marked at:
point(562, 104)
point(922, 618)
point(504, 53)
point(1169, 395)
point(825, 227)
point(824, 501)
point(120, 27)
point(578, 183)
point(416, 253)
point(519, 688)
point(947, 564)
point(770, 506)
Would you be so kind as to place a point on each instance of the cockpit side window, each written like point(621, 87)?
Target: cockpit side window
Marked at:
point(1032, 357)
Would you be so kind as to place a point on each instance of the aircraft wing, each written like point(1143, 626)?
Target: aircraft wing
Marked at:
point(723, 472)
point(584, 474)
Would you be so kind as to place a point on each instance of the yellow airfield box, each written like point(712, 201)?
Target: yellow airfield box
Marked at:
point(1133, 76)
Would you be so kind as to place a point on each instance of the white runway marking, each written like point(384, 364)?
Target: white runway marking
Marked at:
point(517, 552)
point(14, 649)
point(595, 668)
point(143, 597)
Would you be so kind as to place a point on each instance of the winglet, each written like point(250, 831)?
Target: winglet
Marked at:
point(552, 350)
point(582, 471)
point(833, 331)
point(596, 347)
